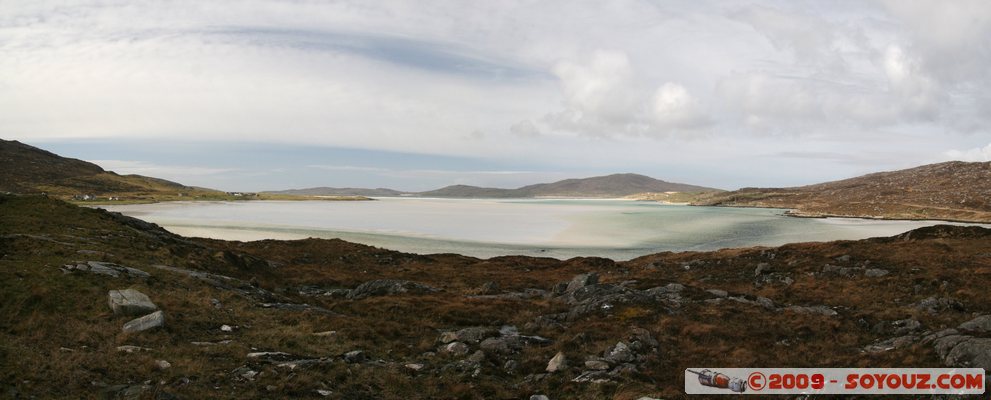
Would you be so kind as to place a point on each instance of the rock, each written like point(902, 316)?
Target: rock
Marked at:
point(761, 269)
point(226, 328)
point(945, 344)
point(557, 363)
point(216, 303)
point(581, 281)
point(718, 293)
point(488, 288)
point(670, 288)
point(890, 344)
point(246, 373)
point(980, 324)
point(508, 330)
point(324, 392)
point(354, 357)
point(131, 349)
point(971, 353)
point(162, 364)
point(130, 302)
point(456, 348)
point(150, 321)
point(903, 326)
point(934, 305)
point(765, 302)
point(830, 269)
point(539, 397)
point(272, 355)
point(448, 337)
point(477, 356)
point(597, 365)
point(641, 335)
point(502, 345)
point(596, 377)
point(106, 268)
point(844, 258)
point(821, 310)
point(415, 367)
point(620, 353)
point(387, 287)
point(624, 369)
point(325, 334)
point(875, 272)
point(475, 334)
point(938, 335)
point(510, 366)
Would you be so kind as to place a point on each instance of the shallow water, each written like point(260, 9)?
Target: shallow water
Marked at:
point(617, 229)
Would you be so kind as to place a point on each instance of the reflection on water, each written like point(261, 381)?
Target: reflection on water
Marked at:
point(484, 228)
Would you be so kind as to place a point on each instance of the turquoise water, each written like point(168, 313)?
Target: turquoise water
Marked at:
point(617, 229)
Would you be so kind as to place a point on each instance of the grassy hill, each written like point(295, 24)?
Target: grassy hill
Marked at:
point(953, 190)
point(609, 186)
point(27, 169)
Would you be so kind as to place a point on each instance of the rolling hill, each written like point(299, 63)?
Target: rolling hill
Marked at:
point(332, 191)
point(616, 185)
point(28, 169)
point(953, 190)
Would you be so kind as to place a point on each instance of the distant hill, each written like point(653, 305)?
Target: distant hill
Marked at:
point(28, 169)
point(953, 190)
point(616, 185)
point(330, 191)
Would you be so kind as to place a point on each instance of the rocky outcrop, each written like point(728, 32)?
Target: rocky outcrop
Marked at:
point(130, 302)
point(105, 268)
point(388, 287)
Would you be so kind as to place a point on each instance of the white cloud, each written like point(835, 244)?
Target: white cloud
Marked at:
point(628, 81)
point(605, 97)
point(126, 167)
point(975, 154)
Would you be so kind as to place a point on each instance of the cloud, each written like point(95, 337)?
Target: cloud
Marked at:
point(605, 97)
point(975, 154)
point(127, 167)
point(631, 82)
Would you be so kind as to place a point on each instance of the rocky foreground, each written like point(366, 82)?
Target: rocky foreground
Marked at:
point(99, 305)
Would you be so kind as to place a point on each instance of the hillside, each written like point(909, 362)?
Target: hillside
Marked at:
point(616, 185)
point(27, 169)
point(955, 190)
point(331, 319)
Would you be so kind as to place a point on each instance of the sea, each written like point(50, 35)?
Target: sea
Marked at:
point(617, 229)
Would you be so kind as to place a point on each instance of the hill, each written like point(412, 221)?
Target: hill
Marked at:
point(331, 191)
point(955, 190)
point(27, 169)
point(321, 318)
point(616, 185)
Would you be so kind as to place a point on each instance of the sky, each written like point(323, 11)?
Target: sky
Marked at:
point(264, 95)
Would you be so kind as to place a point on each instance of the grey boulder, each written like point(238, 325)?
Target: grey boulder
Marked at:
point(150, 321)
point(130, 302)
